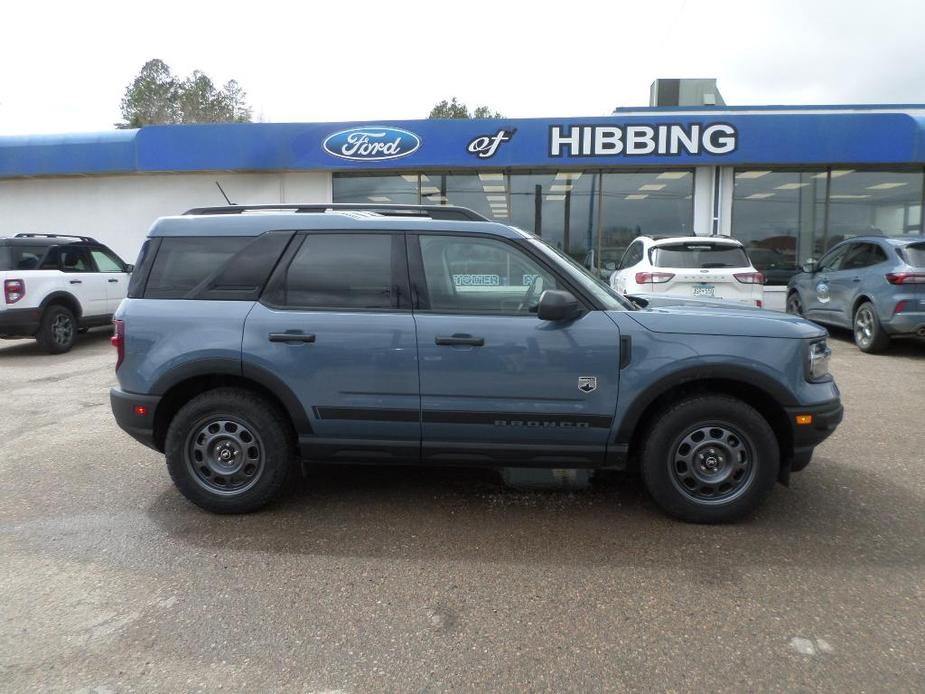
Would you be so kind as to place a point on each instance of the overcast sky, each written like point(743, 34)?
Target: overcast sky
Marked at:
point(64, 66)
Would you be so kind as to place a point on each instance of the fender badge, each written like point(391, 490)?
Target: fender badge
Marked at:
point(586, 384)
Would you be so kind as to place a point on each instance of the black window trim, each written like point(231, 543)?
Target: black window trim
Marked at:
point(399, 270)
point(418, 279)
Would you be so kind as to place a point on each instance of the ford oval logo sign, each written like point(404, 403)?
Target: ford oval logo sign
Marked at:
point(371, 143)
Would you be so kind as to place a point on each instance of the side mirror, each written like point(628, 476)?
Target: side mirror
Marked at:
point(557, 305)
point(810, 266)
point(610, 265)
point(130, 268)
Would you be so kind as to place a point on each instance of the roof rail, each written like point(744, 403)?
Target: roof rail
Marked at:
point(448, 212)
point(88, 239)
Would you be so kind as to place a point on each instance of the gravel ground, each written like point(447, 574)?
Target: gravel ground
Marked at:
point(372, 580)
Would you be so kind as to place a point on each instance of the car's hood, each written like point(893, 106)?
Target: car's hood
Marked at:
point(702, 318)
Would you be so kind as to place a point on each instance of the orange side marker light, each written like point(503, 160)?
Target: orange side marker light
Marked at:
point(804, 419)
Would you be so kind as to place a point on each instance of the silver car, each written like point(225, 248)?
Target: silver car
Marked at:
point(874, 285)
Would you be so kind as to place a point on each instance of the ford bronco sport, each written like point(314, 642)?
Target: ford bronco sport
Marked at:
point(254, 338)
point(55, 286)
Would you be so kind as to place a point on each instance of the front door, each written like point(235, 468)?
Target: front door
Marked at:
point(499, 385)
point(335, 326)
point(818, 298)
point(113, 270)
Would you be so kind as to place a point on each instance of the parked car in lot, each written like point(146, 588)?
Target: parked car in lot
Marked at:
point(874, 285)
point(694, 266)
point(429, 335)
point(55, 286)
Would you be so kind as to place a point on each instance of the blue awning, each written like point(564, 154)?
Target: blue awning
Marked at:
point(639, 138)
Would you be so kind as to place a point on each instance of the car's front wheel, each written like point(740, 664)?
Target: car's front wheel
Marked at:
point(869, 335)
point(795, 304)
point(710, 459)
point(229, 450)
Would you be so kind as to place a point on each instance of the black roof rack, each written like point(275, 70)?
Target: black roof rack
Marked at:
point(56, 236)
point(448, 212)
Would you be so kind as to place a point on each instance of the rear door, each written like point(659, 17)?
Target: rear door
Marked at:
point(849, 280)
point(112, 268)
point(498, 384)
point(80, 279)
point(335, 326)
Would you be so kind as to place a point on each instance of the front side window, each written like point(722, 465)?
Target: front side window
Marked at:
point(699, 255)
point(833, 260)
point(481, 275)
point(347, 271)
point(106, 261)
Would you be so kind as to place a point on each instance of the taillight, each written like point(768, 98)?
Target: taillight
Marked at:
point(654, 277)
point(749, 277)
point(14, 290)
point(759, 303)
point(905, 277)
point(118, 341)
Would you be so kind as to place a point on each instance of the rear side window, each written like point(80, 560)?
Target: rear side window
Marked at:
point(348, 271)
point(16, 257)
point(699, 255)
point(915, 254)
point(182, 263)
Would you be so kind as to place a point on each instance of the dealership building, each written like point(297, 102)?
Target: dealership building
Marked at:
point(786, 181)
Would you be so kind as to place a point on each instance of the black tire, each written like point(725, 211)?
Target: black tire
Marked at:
point(869, 335)
point(57, 329)
point(685, 483)
point(795, 304)
point(239, 424)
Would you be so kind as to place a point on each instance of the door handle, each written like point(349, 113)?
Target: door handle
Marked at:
point(112, 281)
point(76, 281)
point(291, 337)
point(459, 339)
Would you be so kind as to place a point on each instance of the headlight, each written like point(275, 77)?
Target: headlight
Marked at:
point(819, 356)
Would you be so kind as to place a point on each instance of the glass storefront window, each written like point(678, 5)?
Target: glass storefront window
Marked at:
point(779, 216)
point(561, 207)
point(785, 218)
point(590, 215)
point(372, 188)
point(645, 203)
point(885, 203)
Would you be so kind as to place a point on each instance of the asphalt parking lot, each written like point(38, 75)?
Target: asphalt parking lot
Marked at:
point(370, 580)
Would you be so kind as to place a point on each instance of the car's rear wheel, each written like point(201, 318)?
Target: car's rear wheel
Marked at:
point(57, 329)
point(869, 335)
point(229, 451)
point(795, 304)
point(710, 459)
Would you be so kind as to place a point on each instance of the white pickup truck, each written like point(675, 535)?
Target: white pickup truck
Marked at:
point(55, 286)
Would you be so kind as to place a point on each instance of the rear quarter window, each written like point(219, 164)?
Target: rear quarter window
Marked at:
point(698, 255)
point(915, 254)
point(183, 263)
point(16, 257)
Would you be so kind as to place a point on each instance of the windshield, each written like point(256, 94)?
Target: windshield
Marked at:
point(699, 255)
point(608, 298)
point(21, 257)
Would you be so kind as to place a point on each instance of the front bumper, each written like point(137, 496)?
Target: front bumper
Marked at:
point(19, 322)
point(825, 418)
point(139, 426)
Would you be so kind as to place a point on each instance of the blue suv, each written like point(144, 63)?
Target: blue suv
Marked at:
point(254, 339)
point(874, 285)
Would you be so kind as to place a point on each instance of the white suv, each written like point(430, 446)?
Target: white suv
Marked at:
point(55, 286)
point(690, 266)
